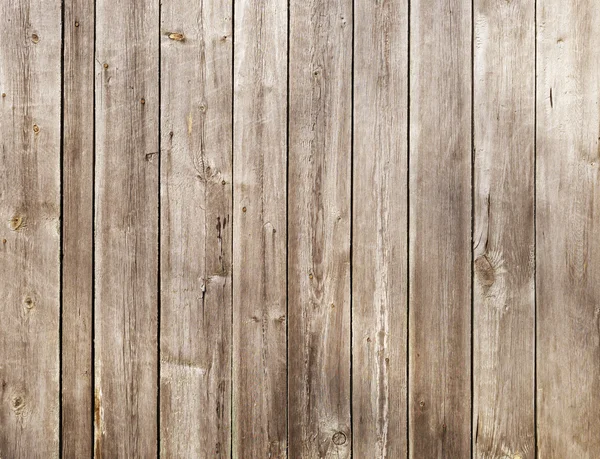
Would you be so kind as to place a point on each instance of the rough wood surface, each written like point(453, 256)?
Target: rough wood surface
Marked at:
point(319, 228)
point(78, 190)
point(259, 274)
point(30, 106)
point(379, 223)
point(568, 229)
point(503, 242)
point(440, 230)
point(126, 249)
point(196, 176)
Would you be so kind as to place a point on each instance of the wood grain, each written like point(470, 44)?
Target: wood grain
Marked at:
point(568, 229)
point(30, 107)
point(503, 243)
point(319, 228)
point(196, 229)
point(440, 230)
point(126, 225)
point(259, 268)
point(379, 224)
point(78, 221)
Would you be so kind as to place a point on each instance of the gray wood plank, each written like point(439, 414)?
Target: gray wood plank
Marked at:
point(126, 225)
point(379, 272)
point(196, 229)
point(568, 229)
point(30, 106)
point(259, 268)
point(503, 242)
point(319, 228)
point(78, 190)
point(440, 229)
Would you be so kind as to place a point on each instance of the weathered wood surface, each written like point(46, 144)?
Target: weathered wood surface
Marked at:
point(196, 228)
point(440, 230)
point(503, 239)
point(379, 222)
point(78, 220)
point(320, 105)
point(30, 107)
point(259, 267)
point(126, 229)
point(568, 229)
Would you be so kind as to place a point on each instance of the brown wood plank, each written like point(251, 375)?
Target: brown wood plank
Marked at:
point(440, 230)
point(30, 107)
point(259, 268)
point(379, 272)
point(319, 228)
point(503, 242)
point(78, 190)
point(126, 249)
point(568, 229)
point(196, 176)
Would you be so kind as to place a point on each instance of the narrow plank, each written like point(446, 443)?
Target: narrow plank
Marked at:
point(568, 229)
point(126, 260)
point(78, 220)
point(259, 258)
point(196, 229)
point(30, 107)
point(503, 242)
point(440, 229)
point(319, 228)
point(379, 272)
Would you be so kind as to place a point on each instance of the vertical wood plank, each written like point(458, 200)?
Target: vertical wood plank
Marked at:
point(30, 107)
point(379, 271)
point(503, 242)
point(568, 229)
point(78, 189)
point(319, 228)
point(196, 176)
point(440, 229)
point(259, 288)
point(126, 259)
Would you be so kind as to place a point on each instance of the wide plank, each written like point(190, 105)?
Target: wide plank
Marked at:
point(30, 131)
point(379, 229)
point(568, 229)
point(78, 221)
point(440, 229)
point(260, 250)
point(320, 109)
point(126, 229)
point(196, 228)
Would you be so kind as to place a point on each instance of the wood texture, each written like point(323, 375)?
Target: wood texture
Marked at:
point(319, 228)
point(30, 106)
point(568, 229)
point(126, 226)
point(503, 242)
point(259, 289)
point(379, 223)
point(196, 176)
point(78, 221)
point(440, 229)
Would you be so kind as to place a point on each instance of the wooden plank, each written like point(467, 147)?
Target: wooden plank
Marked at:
point(78, 220)
point(196, 176)
point(440, 229)
point(259, 267)
point(30, 107)
point(568, 229)
point(319, 228)
point(503, 242)
point(379, 272)
point(126, 248)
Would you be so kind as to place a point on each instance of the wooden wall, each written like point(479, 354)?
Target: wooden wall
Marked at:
point(300, 228)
